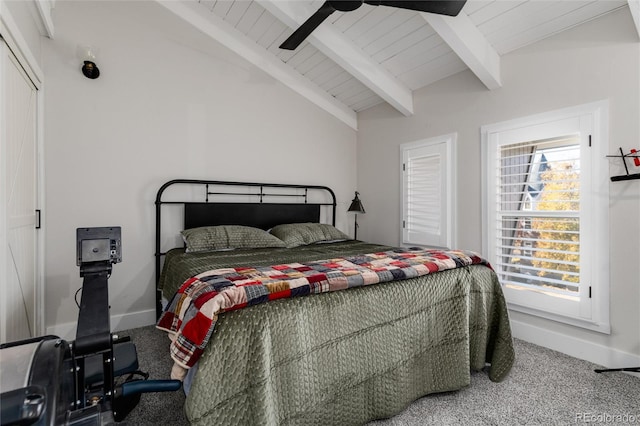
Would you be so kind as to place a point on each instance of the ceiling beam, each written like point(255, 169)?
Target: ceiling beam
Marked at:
point(44, 11)
point(345, 53)
point(634, 8)
point(466, 40)
point(225, 34)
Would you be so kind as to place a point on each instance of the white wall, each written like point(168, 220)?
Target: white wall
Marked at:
point(170, 103)
point(597, 60)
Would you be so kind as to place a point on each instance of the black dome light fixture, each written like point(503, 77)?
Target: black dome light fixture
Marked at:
point(90, 70)
point(89, 67)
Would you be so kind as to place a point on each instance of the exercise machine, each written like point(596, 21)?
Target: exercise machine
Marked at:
point(94, 380)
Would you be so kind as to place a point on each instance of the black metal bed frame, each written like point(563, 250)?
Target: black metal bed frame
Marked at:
point(256, 213)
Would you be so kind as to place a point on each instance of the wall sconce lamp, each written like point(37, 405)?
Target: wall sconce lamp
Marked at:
point(356, 207)
point(89, 68)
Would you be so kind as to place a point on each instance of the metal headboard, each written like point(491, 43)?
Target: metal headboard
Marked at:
point(209, 210)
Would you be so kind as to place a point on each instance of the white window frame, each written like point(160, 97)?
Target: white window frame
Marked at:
point(444, 147)
point(590, 121)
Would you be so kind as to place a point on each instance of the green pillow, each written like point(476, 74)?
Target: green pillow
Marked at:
point(226, 237)
point(298, 234)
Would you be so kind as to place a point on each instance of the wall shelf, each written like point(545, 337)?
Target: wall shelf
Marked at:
point(625, 177)
point(628, 176)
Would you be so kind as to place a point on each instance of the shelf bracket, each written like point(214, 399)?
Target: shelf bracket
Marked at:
point(628, 176)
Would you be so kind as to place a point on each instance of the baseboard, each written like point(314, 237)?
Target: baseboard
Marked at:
point(572, 346)
point(121, 322)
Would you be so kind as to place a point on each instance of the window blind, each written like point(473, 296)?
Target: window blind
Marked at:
point(538, 220)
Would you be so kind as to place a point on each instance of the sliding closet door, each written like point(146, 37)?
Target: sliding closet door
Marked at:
point(19, 316)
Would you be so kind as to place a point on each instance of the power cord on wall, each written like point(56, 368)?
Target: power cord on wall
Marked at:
point(75, 297)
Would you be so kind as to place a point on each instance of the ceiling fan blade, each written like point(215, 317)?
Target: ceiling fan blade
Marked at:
point(308, 26)
point(441, 7)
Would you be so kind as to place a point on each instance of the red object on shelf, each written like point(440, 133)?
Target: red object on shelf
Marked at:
point(636, 160)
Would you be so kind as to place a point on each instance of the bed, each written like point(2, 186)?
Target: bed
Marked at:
point(319, 356)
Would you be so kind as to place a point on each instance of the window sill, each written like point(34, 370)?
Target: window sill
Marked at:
point(600, 327)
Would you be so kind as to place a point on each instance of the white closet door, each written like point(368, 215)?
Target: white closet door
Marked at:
point(19, 178)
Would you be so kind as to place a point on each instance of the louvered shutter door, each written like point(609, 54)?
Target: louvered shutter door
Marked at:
point(424, 196)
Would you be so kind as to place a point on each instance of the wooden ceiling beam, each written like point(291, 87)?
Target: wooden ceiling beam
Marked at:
point(345, 53)
point(466, 40)
point(634, 8)
point(44, 12)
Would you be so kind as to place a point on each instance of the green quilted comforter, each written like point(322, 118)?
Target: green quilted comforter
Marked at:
point(345, 357)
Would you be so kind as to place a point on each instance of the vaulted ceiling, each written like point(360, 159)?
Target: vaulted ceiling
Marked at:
point(374, 54)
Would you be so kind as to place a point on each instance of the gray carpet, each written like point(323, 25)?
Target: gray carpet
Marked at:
point(544, 388)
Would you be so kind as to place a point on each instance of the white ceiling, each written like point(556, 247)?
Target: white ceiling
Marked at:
point(359, 59)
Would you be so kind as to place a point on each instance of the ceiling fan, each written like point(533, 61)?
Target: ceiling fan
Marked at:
point(441, 7)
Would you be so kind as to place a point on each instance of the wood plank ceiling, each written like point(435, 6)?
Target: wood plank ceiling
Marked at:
point(356, 60)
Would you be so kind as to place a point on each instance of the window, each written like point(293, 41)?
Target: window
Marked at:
point(427, 192)
point(546, 204)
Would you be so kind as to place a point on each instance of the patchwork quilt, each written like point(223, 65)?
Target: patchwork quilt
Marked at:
point(191, 315)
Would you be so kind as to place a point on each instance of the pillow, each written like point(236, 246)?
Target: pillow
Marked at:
point(298, 234)
point(225, 237)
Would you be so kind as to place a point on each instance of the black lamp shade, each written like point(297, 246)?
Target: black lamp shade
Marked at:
point(356, 205)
